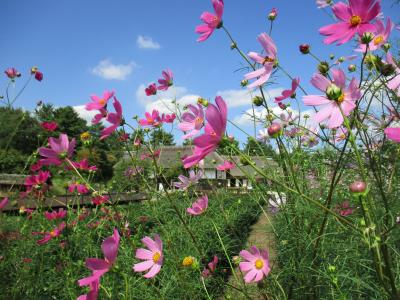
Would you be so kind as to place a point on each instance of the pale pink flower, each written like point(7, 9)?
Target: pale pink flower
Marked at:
point(152, 120)
point(192, 121)
point(341, 134)
point(199, 206)
point(151, 89)
point(166, 81)
point(393, 134)
point(49, 126)
point(353, 18)
point(153, 256)
point(256, 264)
point(3, 203)
point(337, 99)
point(381, 35)
point(394, 83)
point(214, 131)
point(59, 150)
point(263, 135)
point(227, 165)
point(267, 61)
point(289, 93)
point(211, 21)
point(99, 102)
point(188, 181)
point(309, 136)
point(114, 118)
point(12, 73)
point(60, 214)
point(47, 236)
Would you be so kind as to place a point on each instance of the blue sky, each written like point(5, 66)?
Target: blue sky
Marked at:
point(86, 47)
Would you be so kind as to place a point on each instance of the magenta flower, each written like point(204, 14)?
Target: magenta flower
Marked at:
point(93, 292)
point(152, 119)
point(47, 236)
point(188, 181)
point(289, 93)
point(227, 165)
point(98, 200)
point(99, 267)
point(381, 35)
point(49, 126)
point(193, 121)
point(60, 214)
point(114, 118)
point(211, 266)
point(12, 73)
point(79, 187)
point(353, 18)
point(338, 98)
point(3, 203)
point(151, 89)
point(38, 76)
point(100, 116)
point(150, 155)
point(256, 264)
point(166, 81)
point(36, 167)
point(83, 165)
point(393, 134)
point(36, 183)
point(199, 206)
point(267, 61)
point(211, 21)
point(59, 150)
point(168, 118)
point(153, 258)
point(214, 130)
point(394, 83)
point(344, 209)
point(99, 103)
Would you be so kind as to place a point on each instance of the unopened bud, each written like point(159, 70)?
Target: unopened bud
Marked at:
point(274, 130)
point(323, 67)
point(244, 82)
point(257, 100)
point(331, 56)
point(367, 38)
point(273, 14)
point(352, 68)
point(233, 46)
point(386, 47)
point(304, 48)
point(358, 188)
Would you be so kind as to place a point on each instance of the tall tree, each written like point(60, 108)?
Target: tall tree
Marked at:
point(159, 137)
point(257, 148)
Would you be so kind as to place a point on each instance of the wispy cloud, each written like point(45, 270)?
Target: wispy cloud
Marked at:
point(85, 114)
point(146, 42)
point(236, 98)
point(107, 70)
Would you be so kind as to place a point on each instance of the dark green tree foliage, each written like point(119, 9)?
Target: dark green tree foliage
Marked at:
point(228, 146)
point(160, 137)
point(256, 148)
point(69, 121)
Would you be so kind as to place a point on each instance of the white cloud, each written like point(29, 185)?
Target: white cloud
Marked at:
point(241, 97)
point(85, 114)
point(146, 42)
point(107, 70)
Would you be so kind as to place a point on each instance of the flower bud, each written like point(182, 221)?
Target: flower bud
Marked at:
point(273, 14)
point(274, 130)
point(281, 105)
point(367, 37)
point(257, 100)
point(323, 67)
point(189, 261)
point(233, 46)
point(386, 69)
point(386, 47)
point(244, 83)
point(202, 101)
point(341, 59)
point(236, 260)
point(358, 188)
point(334, 92)
point(352, 68)
point(304, 48)
point(331, 56)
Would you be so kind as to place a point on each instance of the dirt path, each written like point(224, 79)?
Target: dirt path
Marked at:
point(262, 236)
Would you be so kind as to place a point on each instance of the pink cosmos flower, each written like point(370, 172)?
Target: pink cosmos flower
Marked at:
point(79, 187)
point(267, 61)
point(168, 118)
point(199, 206)
point(98, 200)
point(60, 149)
point(256, 264)
point(393, 134)
point(211, 266)
point(36, 183)
point(273, 14)
point(49, 126)
point(12, 73)
point(114, 118)
point(93, 292)
point(263, 135)
point(341, 134)
point(394, 83)
point(83, 165)
point(214, 130)
point(166, 81)
point(99, 103)
point(337, 97)
point(36, 167)
point(353, 18)
point(344, 209)
point(289, 93)
point(323, 3)
point(47, 236)
point(153, 155)
point(60, 214)
point(192, 121)
point(123, 137)
point(38, 76)
point(227, 165)
point(211, 21)
point(309, 137)
point(3, 203)
point(153, 258)
point(100, 116)
point(152, 119)
point(188, 181)
point(381, 35)
point(99, 267)
point(151, 89)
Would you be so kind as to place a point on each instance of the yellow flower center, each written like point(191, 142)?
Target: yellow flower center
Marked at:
point(355, 20)
point(102, 102)
point(187, 261)
point(198, 121)
point(268, 59)
point(341, 98)
point(259, 264)
point(85, 136)
point(53, 233)
point(156, 257)
point(378, 40)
